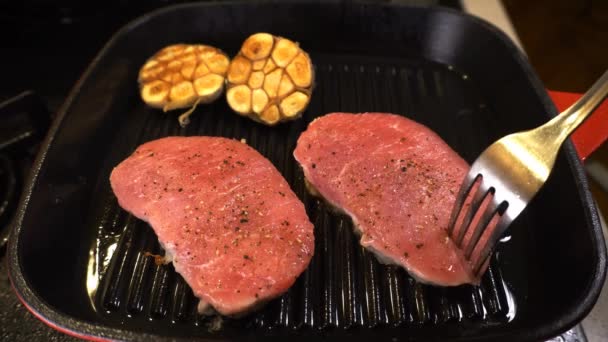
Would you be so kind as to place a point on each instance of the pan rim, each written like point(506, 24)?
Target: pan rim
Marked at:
point(68, 324)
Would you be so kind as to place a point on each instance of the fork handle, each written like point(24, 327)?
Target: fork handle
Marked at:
point(565, 123)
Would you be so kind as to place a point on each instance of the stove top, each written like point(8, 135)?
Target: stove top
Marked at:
point(49, 47)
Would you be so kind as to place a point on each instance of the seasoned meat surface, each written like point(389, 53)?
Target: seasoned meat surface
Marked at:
point(397, 180)
point(235, 230)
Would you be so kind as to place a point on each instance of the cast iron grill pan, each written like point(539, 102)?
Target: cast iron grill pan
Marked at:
point(344, 286)
point(100, 282)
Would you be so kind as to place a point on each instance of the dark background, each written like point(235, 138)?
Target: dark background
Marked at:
point(567, 44)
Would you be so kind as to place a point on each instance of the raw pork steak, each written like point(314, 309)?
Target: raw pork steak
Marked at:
point(235, 230)
point(397, 180)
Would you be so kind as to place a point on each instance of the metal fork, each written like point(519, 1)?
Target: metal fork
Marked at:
point(508, 174)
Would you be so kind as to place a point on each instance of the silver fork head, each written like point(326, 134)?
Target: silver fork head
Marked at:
point(479, 212)
point(499, 185)
point(506, 176)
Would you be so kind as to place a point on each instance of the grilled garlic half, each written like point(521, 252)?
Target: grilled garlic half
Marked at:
point(182, 76)
point(270, 80)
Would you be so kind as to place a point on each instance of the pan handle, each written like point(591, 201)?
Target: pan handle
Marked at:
point(8, 196)
point(25, 121)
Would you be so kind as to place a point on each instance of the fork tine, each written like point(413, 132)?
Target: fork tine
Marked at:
point(480, 194)
point(465, 188)
point(484, 266)
point(490, 244)
point(480, 228)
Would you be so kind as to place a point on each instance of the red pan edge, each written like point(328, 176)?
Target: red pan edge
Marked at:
point(593, 132)
point(50, 323)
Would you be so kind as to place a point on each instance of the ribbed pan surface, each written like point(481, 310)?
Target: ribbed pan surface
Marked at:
point(344, 287)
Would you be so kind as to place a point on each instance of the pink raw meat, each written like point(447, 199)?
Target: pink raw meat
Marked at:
point(235, 230)
point(397, 180)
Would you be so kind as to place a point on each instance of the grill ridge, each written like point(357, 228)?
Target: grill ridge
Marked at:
point(138, 286)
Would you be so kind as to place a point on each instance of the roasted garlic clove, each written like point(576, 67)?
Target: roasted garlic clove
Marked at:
point(181, 76)
point(270, 80)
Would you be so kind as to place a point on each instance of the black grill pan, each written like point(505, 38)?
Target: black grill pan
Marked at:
point(77, 259)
